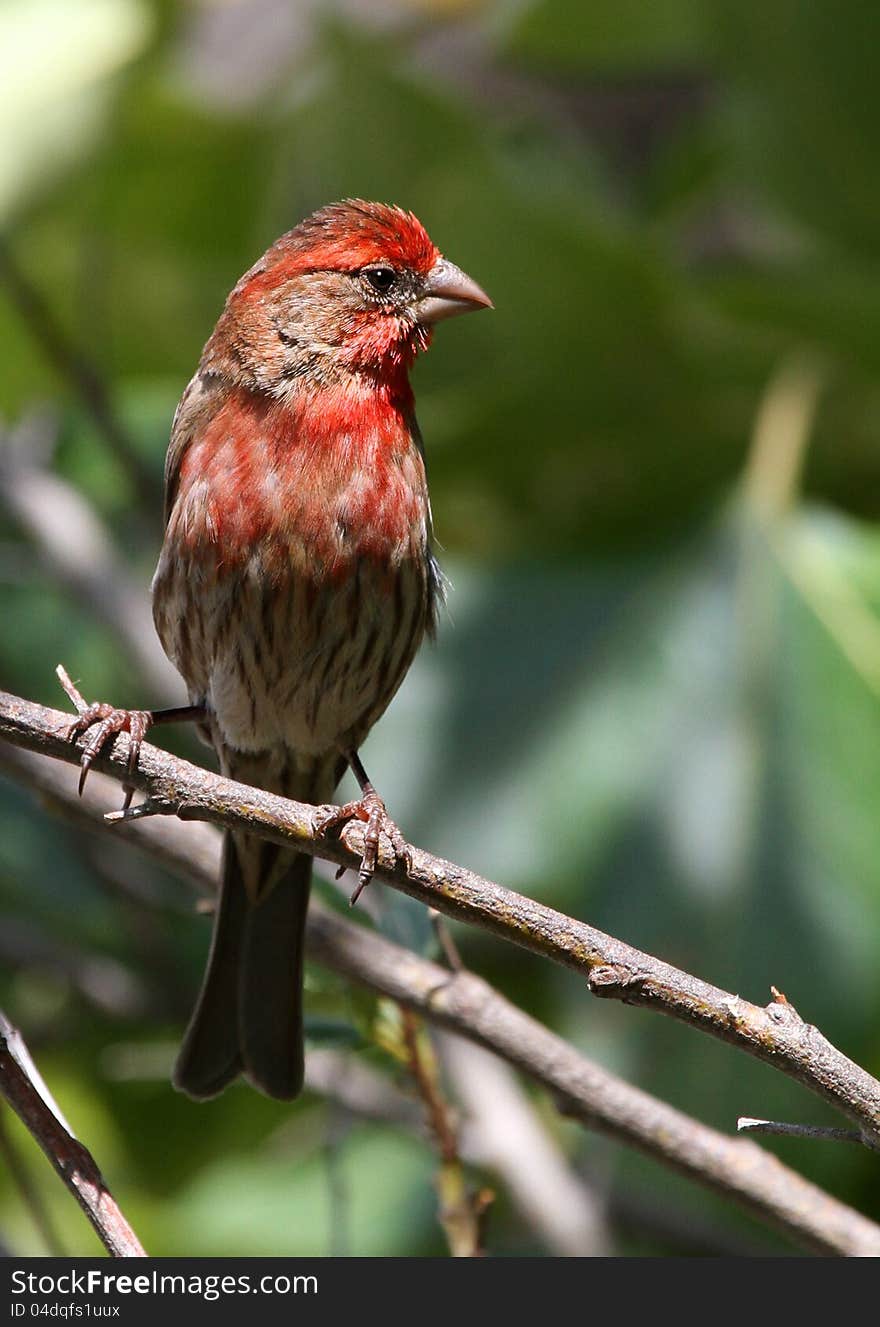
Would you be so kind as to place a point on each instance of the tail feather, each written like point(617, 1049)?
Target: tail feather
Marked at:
point(270, 1013)
point(248, 1017)
point(210, 1056)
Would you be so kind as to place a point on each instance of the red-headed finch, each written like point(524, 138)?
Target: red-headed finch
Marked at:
point(296, 582)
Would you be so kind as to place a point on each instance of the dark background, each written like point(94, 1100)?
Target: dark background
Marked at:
point(655, 469)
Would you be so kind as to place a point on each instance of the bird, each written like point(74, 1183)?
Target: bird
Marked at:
point(296, 581)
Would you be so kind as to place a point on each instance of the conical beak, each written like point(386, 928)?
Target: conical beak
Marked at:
point(449, 291)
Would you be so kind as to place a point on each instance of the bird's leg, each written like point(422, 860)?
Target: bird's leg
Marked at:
point(371, 809)
point(109, 722)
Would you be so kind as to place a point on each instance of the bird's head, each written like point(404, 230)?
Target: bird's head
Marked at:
point(354, 289)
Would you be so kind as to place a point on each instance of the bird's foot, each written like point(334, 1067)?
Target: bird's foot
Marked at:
point(108, 722)
point(371, 809)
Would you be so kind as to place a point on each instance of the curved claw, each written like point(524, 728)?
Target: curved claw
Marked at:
point(370, 809)
point(110, 722)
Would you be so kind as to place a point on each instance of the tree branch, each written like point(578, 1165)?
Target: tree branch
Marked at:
point(461, 1212)
point(775, 1034)
point(27, 1094)
point(464, 1003)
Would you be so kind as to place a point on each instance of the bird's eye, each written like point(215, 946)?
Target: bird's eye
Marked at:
point(380, 278)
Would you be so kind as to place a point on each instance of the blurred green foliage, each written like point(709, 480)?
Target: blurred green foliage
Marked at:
point(655, 469)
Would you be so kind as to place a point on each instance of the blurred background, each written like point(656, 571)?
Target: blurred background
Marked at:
point(655, 700)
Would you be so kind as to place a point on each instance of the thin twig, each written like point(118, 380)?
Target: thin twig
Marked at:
point(422, 1064)
point(27, 1094)
point(448, 947)
point(461, 1211)
point(775, 1034)
point(818, 1131)
point(464, 1003)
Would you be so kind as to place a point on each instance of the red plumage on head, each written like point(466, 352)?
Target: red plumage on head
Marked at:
point(346, 236)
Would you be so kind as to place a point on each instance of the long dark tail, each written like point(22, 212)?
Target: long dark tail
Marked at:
point(248, 1017)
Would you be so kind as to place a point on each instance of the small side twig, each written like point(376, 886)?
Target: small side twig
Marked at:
point(462, 1212)
point(23, 1088)
point(71, 690)
point(447, 945)
point(826, 1133)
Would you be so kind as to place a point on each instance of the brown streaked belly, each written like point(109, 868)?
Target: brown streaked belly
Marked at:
point(290, 662)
